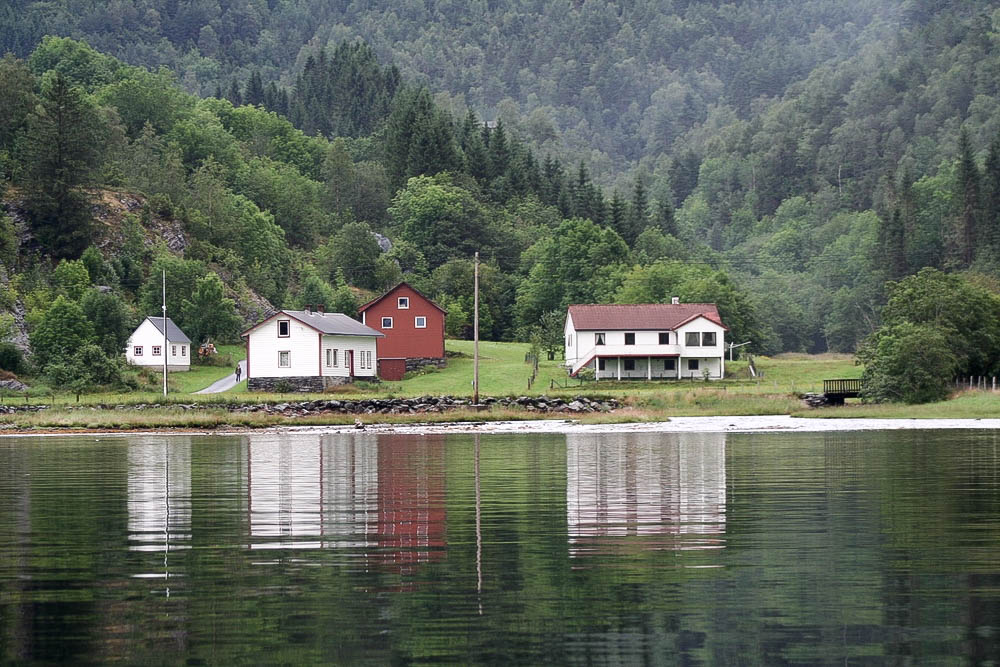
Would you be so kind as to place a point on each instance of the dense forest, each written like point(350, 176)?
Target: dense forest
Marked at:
point(791, 162)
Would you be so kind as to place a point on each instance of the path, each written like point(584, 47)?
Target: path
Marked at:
point(226, 383)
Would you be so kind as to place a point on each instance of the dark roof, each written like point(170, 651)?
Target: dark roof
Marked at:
point(174, 333)
point(641, 317)
point(328, 323)
point(371, 303)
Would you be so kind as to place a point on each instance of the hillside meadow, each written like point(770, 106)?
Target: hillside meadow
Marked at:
point(503, 371)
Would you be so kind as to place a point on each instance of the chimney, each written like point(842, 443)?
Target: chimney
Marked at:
point(321, 309)
point(674, 300)
point(309, 309)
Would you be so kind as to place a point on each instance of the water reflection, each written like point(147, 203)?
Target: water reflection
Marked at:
point(159, 493)
point(668, 489)
point(347, 491)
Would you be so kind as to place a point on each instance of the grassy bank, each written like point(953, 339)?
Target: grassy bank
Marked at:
point(503, 372)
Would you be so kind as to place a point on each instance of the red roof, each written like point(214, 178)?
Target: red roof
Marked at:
point(371, 303)
point(641, 317)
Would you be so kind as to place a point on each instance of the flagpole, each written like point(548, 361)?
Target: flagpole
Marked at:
point(475, 337)
point(164, 333)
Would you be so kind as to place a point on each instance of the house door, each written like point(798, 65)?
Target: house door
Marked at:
point(350, 362)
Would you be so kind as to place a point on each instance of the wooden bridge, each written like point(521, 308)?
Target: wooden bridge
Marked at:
point(836, 391)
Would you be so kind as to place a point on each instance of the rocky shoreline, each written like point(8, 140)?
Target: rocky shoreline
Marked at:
point(390, 406)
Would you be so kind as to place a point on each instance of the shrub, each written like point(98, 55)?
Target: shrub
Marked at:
point(11, 358)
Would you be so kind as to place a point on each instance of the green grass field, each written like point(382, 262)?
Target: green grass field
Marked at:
point(503, 371)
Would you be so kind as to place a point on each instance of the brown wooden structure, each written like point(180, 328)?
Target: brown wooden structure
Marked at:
point(836, 391)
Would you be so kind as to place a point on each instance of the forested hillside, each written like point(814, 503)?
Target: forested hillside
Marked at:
point(783, 159)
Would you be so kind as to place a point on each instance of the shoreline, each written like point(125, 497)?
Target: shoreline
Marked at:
point(724, 424)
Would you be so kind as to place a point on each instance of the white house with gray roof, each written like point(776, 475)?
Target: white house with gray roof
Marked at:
point(308, 350)
point(145, 346)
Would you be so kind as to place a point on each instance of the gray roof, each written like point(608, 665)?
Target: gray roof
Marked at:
point(174, 333)
point(333, 323)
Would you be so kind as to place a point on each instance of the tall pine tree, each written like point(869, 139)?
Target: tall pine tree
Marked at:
point(62, 152)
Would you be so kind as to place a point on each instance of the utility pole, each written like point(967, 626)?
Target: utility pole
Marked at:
point(475, 336)
point(732, 345)
point(164, 333)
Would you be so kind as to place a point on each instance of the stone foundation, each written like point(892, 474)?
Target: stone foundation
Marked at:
point(416, 363)
point(307, 384)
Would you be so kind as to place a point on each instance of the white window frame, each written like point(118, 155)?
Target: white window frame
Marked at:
point(334, 357)
point(288, 328)
point(329, 357)
point(288, 358)
point(184, 350)
point(420, 322)
point(403, 303)
point(156, 350)
point(384, 325)
point(173, 350)
point(137, 350)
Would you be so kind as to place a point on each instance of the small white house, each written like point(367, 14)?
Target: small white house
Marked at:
point(308, 351)
point(646, 341)
point(145, 346)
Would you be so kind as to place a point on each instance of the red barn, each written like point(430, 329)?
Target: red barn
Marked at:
point(413, 326)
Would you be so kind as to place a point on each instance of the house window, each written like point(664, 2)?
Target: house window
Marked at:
point(284, 359)
point(669, 364)
point(630, 339)
point(173, 350)
point(137, 351)
point(369, 359)
point(184, 350)
point(420, 322)
point(569, 340)
point(708, 339)
point(692, 364)
point(664, 338)
point(692, 339)
point(403, 302)
point(386, 322)
point(598, 339)
point(601, 364)
point(156, 350)
point(329, 357)
point(629, 363)
point(284, 328)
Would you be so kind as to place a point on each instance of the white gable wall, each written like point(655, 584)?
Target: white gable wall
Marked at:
point(306, 352)
point(147, 336)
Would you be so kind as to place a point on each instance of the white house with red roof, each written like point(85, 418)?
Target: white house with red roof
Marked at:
point(308, 350)
point(646, 341)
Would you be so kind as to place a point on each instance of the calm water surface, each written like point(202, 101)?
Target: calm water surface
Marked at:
point(857, 547)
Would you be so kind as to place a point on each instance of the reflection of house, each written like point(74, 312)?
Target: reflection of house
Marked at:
point(645, 491)
point(159, 493)
point(646, 341)
point(348, 491)
point(145, 346)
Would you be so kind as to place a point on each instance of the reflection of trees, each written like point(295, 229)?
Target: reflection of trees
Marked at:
point(671, 489)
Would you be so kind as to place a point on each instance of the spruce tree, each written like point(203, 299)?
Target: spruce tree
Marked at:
point(967, 180)
point(255, 90)
point(62, 152)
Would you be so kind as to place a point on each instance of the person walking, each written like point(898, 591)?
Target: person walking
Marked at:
point(238, 372)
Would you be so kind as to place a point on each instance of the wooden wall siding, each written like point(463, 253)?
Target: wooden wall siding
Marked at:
point(404, 339)
point(308, 352)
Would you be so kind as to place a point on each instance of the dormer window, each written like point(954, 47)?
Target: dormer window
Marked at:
point(284, 328)
point(403, 302)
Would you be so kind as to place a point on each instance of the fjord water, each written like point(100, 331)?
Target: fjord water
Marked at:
point(625, 548)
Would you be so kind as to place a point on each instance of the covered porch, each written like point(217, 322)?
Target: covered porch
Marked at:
point(636, 367)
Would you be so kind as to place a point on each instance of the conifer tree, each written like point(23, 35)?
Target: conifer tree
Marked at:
point(234, 95)
point(62, 152)
point(255, 90)
point(967, 180)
